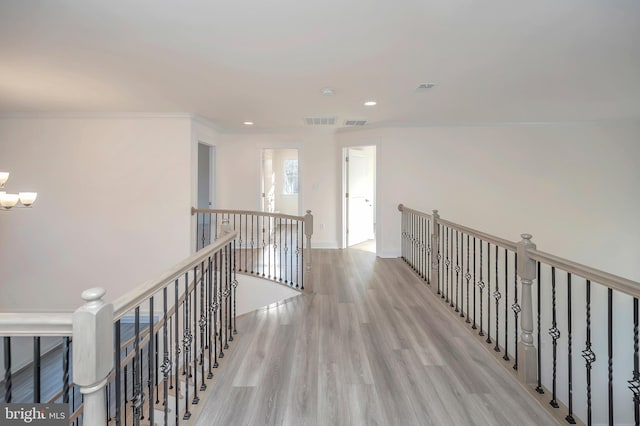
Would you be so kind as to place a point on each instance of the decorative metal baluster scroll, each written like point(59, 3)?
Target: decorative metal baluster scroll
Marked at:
point(555, 335)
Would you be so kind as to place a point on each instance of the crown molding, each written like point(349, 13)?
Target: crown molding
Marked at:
point(94, 115)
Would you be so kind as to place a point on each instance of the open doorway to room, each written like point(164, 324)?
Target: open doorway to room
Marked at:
point(280, 189)
point(206, 190)
point(359, 206)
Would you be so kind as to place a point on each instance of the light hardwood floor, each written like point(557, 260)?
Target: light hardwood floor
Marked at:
point(368, 344)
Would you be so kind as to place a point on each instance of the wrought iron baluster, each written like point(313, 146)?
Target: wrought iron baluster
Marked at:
point(138, 395)
point(447, 262)
point(497, 296)
point(151, 359)
point(264, 247)
point(36, 369)
point(186, 342)
point(203, 325)
point(588, 354)
point(214, 310)
point(165, 367)
point(220, 306)
point(246, 242)
point(210, 325)
point(451, 283)
point(516, 309)
point(280, 251)
point(506, 306)
point(252, 243)
point(203, 226)
point(488, 292)
point(461, 269)
point(413, 241)
point(7, 370)
point(298, 228)
point(176, 362)
point(126, 397)
point(539, 388)
point(467, 277)
point(116, 354)
point(156, 348)
point(303, 267)
point(194, 349)
point(457, 271)
point(610, 350)
point(286, 250)
point(555, 335)
point(227, 259)
point(475, 284)
point(65, 371)
point(216, 229)
point(234, 284)
point(569, 418)
point(481, 286)
point(634, 383)
point(429, 249)
point(269, 231)
point(439, 259)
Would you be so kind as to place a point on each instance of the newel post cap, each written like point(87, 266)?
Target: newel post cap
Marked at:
point(526, 265)
point(308, 224)
point(92, 327)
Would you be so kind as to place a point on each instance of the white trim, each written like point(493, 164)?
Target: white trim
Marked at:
point(95, 115)
point(325, 244)
point(390, 253)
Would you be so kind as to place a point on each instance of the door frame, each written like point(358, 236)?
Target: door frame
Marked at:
point(345, 204)
point(261, 175)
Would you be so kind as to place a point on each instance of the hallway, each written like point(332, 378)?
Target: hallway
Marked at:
point(368, 344)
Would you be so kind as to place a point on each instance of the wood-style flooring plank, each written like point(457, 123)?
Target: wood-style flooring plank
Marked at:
point(369, 344)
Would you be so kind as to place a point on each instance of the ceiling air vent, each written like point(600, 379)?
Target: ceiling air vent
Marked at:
point(320, 121)
point(355, 122)
point(424, 86)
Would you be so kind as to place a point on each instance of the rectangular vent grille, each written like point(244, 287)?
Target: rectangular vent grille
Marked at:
point(320, 121)
point(355, 122)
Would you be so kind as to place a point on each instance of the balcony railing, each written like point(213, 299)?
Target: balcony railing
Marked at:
point(148, 356)
point(268, 245)
point(565, 328)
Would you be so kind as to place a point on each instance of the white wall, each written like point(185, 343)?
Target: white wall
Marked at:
point(572, 186)
point(238, 175)
point(112, 210)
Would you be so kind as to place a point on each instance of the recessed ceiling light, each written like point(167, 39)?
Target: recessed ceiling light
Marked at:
point(370, 103)
point(327, 91)
point(248, 123)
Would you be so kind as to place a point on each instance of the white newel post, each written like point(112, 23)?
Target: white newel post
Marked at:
point(435, 276)
point(527, 354)
point(308, 231)
point(93, 353)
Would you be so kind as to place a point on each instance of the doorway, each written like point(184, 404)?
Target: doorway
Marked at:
point(359, 188)
point(205, 191)
point(280, 187)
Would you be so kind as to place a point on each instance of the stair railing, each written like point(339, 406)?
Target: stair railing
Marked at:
point(269, 245)
point(534, 310)
point(147, 356)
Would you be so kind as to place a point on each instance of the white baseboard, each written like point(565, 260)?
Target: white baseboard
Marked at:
point(390, 253)
point(325, 245)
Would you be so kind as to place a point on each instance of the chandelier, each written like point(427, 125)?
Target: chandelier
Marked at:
point(8, 200)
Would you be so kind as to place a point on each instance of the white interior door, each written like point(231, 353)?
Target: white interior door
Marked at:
point(360, 197)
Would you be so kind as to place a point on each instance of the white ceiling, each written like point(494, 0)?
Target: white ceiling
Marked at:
point(267, 61)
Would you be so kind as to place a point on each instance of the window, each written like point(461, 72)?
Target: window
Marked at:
point(290, 186)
